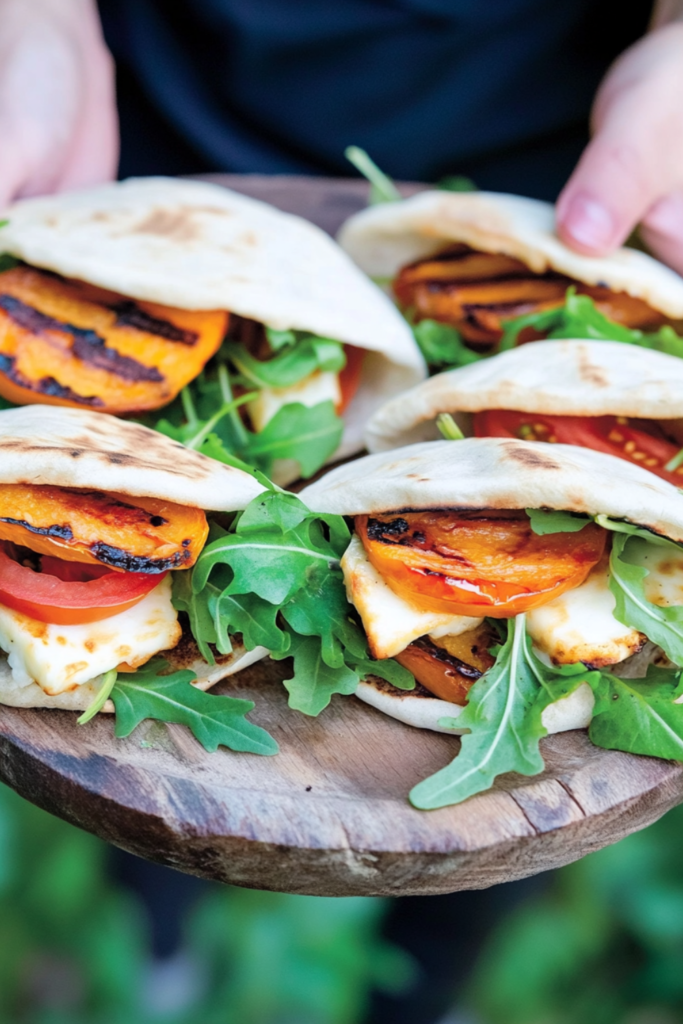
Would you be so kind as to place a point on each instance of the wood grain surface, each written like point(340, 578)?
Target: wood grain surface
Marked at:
point(329, 814)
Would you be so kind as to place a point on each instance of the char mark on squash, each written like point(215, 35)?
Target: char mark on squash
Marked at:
point(88, 346)
point(129, 314)
point(387, 533)
point(45, 385)
point(61, 531)
point(119, 559)
point(468, 671)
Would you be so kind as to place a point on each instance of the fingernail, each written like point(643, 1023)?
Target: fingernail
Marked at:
point(589, 223)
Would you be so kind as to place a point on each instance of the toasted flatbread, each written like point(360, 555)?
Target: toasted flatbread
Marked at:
point(495, 472)
point(41, 444)
point(564, 377)
point(195, 245)
point(384, 238)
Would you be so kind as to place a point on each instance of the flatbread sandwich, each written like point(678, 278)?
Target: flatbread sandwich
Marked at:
point(620, 399)
point(101, 521)
point(115, 298)
point(491, 267)
point(528, 589)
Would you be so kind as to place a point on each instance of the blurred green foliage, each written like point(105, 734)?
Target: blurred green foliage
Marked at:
point(605, 945)
point(74, 947)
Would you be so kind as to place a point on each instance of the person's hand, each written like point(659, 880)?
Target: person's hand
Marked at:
point(632, 171)
point(58, 121)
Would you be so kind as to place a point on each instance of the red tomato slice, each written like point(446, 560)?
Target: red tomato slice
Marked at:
point(638, 441)
point(349, 377)
point(69, 593)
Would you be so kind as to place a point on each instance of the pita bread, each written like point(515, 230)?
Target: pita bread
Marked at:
point(195, 245)
point(185, 656)
point(384, 238)
point(44, 444)
point(564, 378)
point(496, 472)
point(422, 710)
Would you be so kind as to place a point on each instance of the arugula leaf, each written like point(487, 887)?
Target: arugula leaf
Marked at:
point(621, 526)
point(639, 716)
point(323, 610)
point(276, 579)
point(442, 345)
point(504, 719)
point(550, 520)
point(307, 434)
point(456, 183)
point(579, 317)
point(196, 607)
point(7, 262)
point(272, 565)
point(314, 681)
point(385, 668)
point(662, 625)
point(308, 354)
point(251, 616)
point(214, 720)
point(382, 188)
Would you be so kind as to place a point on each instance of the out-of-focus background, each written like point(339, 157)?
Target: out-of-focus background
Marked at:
point(599, 941)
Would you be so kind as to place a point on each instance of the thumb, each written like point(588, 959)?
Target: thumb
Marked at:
point(636, 155)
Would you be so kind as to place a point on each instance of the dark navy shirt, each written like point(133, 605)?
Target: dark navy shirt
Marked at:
point(497, 89)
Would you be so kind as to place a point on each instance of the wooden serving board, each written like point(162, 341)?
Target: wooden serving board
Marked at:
point(329, 815)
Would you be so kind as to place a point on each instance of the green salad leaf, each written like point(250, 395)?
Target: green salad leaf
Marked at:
point(639, 716)
point(206, 417)
point(382, 188)
point(456, 183)
point(442, 345)
point(503, 716)
point(289, 366)
point(309, 435)
point(275, 577)
point(662, 625)
point(214, 720)
point(550, 520)
point(579, 317)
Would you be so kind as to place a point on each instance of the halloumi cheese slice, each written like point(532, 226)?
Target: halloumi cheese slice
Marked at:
point(390, 622)
point(321, 386)
point(580, 625)
point(61, 658)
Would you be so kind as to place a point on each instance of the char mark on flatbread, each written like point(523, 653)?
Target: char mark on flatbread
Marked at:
point(527, 456)
point(88, 346)
point(129, 314)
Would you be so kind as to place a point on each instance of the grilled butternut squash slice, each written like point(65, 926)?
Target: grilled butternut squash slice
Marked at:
point(63, 342)
point(131, 534)
point(476, 292)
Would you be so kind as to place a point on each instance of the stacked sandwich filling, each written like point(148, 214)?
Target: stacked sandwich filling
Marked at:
point(477, 291)
point(431, 585)
point(260, 356)
point(84, 584)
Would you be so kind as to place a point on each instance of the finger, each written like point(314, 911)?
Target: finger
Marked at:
point(662, 230)
point(636, 155)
